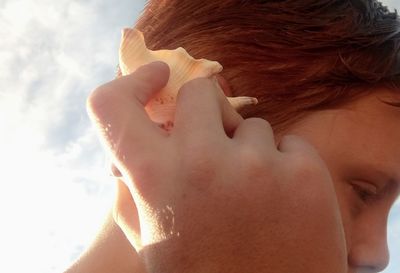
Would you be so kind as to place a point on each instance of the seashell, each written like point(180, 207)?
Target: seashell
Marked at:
point(133, 53)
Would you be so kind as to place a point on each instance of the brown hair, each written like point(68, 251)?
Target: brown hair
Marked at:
point(295, 56)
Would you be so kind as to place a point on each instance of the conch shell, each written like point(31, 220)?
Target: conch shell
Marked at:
point(133, 53)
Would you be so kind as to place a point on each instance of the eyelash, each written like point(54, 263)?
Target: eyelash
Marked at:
point(364, 194)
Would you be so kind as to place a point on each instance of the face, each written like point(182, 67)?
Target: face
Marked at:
point(360, 145)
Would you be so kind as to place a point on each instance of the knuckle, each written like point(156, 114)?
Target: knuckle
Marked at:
point(289, 138)
point(95, 98)
point(98, 99)
point(259, 122)
point(299, 144)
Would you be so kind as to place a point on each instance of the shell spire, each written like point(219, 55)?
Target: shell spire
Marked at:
point(134, 53)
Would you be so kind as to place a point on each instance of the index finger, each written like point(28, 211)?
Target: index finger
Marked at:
point(117, 111)
point(202, 110)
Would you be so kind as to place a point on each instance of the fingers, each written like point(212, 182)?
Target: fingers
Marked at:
point(117, 111)
point(203, 110)
point(126, 215)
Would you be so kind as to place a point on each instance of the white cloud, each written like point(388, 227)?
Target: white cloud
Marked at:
point(54, 190)
point(54, 187)
point(394, 239)
point(392, 4)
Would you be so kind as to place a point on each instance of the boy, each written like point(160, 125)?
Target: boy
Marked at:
point(325, 71)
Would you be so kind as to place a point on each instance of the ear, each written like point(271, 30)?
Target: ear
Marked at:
point(224, 85)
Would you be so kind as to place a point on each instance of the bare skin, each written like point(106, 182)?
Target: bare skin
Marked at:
point(208, 202)
point(359, 144)
point(353, 142)
point(109, 252)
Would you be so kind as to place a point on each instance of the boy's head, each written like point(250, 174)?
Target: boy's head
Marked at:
point(326, 70)
point(294, 56)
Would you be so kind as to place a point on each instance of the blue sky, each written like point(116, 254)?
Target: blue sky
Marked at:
point(54, 187)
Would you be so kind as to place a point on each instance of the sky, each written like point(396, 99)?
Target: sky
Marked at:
point(54, 186)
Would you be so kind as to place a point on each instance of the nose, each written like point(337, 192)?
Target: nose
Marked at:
point(369, 252)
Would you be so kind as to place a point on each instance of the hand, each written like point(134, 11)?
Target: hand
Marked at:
point(216, 194)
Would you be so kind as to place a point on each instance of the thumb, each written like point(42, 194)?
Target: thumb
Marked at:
point(118, 114)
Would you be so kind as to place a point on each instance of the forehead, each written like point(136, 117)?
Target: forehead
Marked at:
point(363, 134)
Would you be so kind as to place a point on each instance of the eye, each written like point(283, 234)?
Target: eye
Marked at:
point(365, 190)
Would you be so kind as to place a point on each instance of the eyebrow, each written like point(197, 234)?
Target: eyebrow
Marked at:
point(393, 103)
point(391, 184)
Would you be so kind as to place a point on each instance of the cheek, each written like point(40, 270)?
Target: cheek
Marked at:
point(358, 217)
